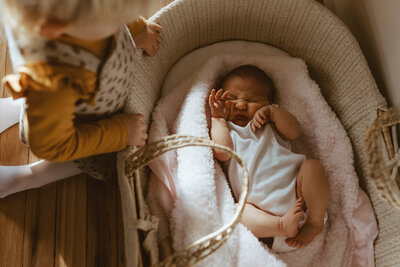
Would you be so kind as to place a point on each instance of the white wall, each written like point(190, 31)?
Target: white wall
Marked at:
point(376, 25)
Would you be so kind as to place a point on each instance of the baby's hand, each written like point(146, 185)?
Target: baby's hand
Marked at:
point(218, 104)
point(136, 129)
point(260, 118)
point(149, 38)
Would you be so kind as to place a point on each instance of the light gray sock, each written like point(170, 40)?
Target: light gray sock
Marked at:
point(19, 178)
point(9, 112)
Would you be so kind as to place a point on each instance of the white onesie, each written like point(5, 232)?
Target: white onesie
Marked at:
point(272, 167)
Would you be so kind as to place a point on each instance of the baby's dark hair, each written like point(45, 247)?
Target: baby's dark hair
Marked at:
point(249, 71)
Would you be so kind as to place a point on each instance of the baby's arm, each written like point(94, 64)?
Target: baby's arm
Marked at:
point(286, 124)
point(219, 128)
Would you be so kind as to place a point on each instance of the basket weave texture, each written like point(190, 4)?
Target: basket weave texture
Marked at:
point(207, 244)
point(304, 29)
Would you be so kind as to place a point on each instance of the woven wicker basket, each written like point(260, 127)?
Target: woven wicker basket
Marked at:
point(304, 29)
point(384, 170)
point(208, 244)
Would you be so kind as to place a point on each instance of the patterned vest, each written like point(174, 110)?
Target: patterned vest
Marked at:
point(115, 79)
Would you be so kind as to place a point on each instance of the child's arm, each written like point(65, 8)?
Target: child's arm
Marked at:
point(219, 128)
point(286, 124)
point(53, 135)
point(146, 35)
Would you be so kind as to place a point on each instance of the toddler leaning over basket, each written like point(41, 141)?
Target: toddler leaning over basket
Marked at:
point(73, 64)
point(245, 120)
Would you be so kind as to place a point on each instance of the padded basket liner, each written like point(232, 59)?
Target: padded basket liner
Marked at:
point(304, 29)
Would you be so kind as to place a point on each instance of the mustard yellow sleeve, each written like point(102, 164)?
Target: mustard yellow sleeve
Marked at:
point(53, 135)
point(137, 26)
point(51, 92)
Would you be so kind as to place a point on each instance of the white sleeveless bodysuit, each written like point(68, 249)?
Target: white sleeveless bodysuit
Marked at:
point(272, 167)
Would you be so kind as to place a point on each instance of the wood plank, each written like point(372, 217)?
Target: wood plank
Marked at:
point(8, 70)
point(40, 218)
point(40, 226)
point(3, 58)
point(120, 233)
point(70, 249)
point(12, 215)
point(102, 223)
point(12, 208)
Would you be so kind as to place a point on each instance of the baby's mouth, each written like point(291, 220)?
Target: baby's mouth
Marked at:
point(240, 120)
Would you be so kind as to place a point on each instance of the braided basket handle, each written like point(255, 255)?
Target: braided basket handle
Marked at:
point(211, 242)
point(378, 170)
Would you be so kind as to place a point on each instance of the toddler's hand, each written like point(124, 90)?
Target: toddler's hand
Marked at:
point(149, 38)
point(137, 135)
point(260, 118)
point(218, 104)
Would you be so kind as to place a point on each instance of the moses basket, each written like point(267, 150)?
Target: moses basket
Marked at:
point(304, 29)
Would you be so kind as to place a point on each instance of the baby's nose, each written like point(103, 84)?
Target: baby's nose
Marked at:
point(241, 104)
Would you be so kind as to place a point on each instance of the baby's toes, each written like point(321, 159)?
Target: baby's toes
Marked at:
point(297, 209)
point(299, 201)
point(296, 243)
point(291, 242)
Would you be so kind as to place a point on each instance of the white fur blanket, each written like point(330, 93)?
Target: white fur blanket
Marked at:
point(203, 199)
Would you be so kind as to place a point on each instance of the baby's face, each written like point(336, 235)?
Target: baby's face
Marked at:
point(246, 96)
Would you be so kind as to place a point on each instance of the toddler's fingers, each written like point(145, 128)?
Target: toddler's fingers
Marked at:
point(156, 47)
point(151, 52)
point(159, 38)
point(158, 28)
point(253, 128)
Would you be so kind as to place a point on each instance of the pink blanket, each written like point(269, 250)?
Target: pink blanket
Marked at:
point(202, 199)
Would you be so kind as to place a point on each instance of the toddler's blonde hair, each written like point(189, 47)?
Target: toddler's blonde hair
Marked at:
point(25, 15)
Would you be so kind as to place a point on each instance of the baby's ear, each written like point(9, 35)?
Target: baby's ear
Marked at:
point(53, 29)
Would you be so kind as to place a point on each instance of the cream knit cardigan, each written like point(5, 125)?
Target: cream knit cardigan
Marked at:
point(304, 29)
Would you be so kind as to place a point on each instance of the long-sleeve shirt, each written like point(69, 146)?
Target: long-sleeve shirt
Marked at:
point(52, 91)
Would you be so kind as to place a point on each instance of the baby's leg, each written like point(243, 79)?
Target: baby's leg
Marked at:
point(9, 112)
point(313, 186)
point(263, 224)
point(19, 178)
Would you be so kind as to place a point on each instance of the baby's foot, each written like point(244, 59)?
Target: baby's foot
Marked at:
point(288, 223)
point(306, 234)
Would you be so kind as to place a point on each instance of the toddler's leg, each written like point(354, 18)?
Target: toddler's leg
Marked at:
point(9, 112)
point(313, 186)
point(263, 224)
point(19, 178)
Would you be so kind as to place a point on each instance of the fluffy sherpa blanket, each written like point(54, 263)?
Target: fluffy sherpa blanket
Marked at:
point(203, 199)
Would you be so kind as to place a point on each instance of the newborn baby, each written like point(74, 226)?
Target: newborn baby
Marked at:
point(281, 182)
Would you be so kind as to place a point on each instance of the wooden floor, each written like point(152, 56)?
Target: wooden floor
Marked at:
point(74, 222)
